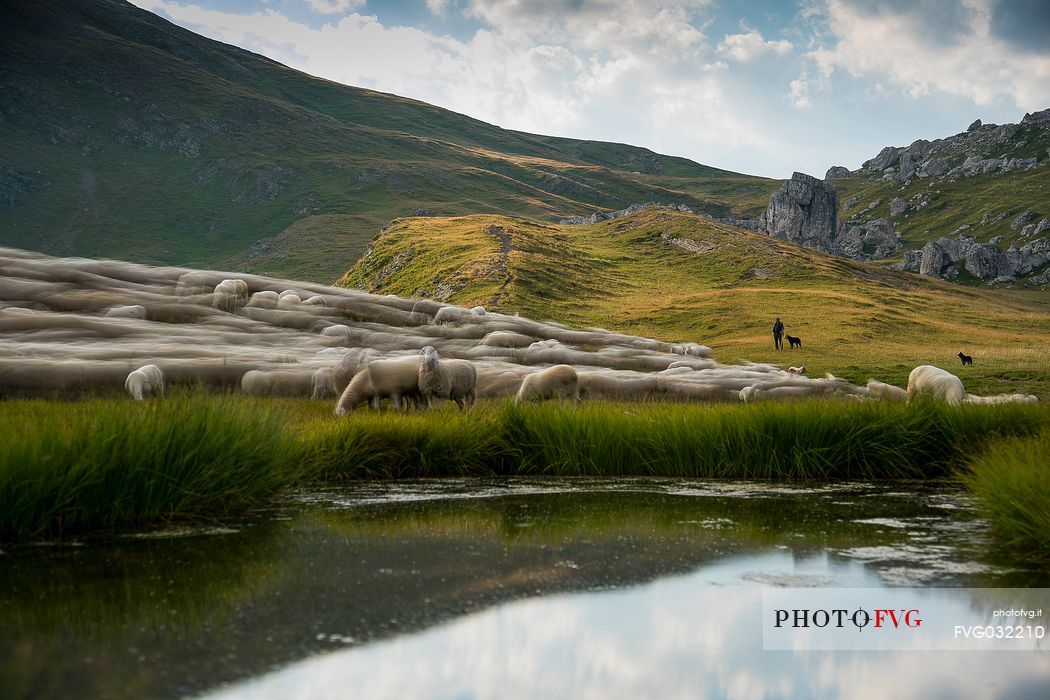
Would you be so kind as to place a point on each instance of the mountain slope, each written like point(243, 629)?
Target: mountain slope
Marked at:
point(126, 136)
point(680, 277)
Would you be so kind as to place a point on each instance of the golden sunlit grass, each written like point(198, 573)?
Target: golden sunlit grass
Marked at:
point(678, 277)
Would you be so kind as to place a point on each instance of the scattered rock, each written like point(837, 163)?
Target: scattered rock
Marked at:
point(836, 172)
point(1021, 220)
point(932, 260)
point(898, 206)
point(888, 156)
point(872, 240)
point(851, 202)
point(982, 261)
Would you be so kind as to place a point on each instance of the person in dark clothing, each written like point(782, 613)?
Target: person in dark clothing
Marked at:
point(778, 334)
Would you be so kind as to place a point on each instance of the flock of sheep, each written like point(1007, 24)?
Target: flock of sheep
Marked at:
point(85, 326)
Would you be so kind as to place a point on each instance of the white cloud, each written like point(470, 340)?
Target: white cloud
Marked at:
point(438, 7)
point(329, 7)
point(927, 48)
point(665, 27)
point(798, 92)
point(750, 45)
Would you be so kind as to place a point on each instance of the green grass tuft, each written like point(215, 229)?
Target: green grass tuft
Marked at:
point(1011, 480)
point(110, 464)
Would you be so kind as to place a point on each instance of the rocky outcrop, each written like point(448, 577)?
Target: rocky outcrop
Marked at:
point(836, 172)
point(872, 240)
point(804, 211)
point(946, 256)
point(1042, 117)
point(980, 150)
point(898, 205)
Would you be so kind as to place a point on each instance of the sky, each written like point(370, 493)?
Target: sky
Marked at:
point(764, 87)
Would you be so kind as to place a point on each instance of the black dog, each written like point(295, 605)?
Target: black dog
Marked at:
point(794, 342)
point(966, 359)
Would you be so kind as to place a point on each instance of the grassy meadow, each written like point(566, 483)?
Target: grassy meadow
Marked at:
point(678, 277)
point(113, 464)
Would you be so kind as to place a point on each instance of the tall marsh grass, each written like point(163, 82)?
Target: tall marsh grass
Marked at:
point(112, 463)
point(1011, 480)
point(106, 464)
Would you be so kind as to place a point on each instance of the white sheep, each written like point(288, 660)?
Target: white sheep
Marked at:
point(396, 378)
point(133, 311)
point(696, 350)
point(336, 330)
point(797, 370)
point(230, 295)
point(886, 392)
point(316, 300)
point(148, 379)
point(263, 300)
point(288, 301)
point(477, 311)
point(936, 382)
point(559, 381)
point(447, 379)
point(449, 314)
point(1002, 398)
point(324, 383)
point(505, 339)
point(279, 382)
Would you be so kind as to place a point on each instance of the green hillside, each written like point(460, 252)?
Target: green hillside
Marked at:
point(125, 136)
point(680, 277)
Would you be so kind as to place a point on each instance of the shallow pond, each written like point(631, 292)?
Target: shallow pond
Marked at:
point(508, 588)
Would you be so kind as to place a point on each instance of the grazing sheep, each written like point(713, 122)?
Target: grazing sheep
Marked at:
point(447, 379)
point(797, 370)
point(559, 381)
point(288, 301)
point(697, 350)
point(324, 383)
point(263, 300)
point(886, 392)
point(133, 311)
point(355, 360)
point(936, 382)
point(277, 383)
point(395, 379)
point(506, 339)
point(336, 330)
point(449, 314)
point(230, 295)
point(147, 379)
point(1002, 398)
point(966, 359)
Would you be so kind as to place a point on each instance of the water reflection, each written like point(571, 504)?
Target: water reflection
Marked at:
point(478, 583)
point(693, 636)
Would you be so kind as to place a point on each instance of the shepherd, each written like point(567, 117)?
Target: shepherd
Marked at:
point(778, 334)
